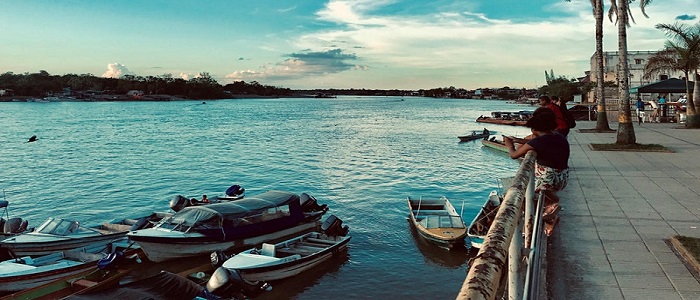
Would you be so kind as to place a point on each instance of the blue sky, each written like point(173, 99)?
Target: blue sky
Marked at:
point(304, 44)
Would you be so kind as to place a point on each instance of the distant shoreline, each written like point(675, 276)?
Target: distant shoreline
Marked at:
point(147, 98)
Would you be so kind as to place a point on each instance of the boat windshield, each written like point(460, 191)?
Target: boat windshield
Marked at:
point(58, 226)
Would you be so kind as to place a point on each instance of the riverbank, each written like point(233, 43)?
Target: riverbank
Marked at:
point(619, 211)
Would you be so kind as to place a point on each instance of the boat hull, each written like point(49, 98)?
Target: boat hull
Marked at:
point(172, 248)
point(481, 223)
point(451, 230)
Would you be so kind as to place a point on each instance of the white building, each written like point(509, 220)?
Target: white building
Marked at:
point(636, 61)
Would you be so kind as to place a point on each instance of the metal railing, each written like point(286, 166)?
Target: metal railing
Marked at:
point(515, 242)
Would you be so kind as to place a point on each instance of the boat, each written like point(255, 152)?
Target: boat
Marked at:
point(495, 144)
point(57, 234)
point(481, 223)
point(234, 192)
point(474, 136)
point(239, 224)
point(479, 227)
point(290, 257)
point(32, 271)
point(437, 221)
point(506, 118)
point(11, 226)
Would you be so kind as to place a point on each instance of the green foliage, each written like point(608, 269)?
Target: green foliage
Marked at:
point(562, 87)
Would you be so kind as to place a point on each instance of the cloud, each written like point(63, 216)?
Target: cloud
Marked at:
point(302, 64)
point(116, 70)
point(685, 17)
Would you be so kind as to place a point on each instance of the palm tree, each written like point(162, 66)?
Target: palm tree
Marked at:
point(625, 128)
point(681, 53)
point(602, 115)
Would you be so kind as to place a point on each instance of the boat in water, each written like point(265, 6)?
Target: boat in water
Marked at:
point(57, 234)
point(506, 118)
point(32, 271)
point(475, 136)
point(480, 225)
point(11, 226)
point(290, 257)
point(235, 192)
point(437, 221)
point(198, 230)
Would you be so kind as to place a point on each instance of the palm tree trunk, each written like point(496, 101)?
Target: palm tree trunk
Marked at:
point(602, 115)
point(692, 118)
point(625, 128)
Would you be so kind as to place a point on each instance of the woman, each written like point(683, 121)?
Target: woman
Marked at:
point(551, 168)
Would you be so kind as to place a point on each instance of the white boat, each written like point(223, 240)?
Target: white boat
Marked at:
point(31, 271)
point(198, 230)
point(57, 234)
point(291, 257)
point(479, 227)
point(437, 221)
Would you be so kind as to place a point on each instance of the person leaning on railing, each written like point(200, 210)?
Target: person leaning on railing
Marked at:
point(551, 168)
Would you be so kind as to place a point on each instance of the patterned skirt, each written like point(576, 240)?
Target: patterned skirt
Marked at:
point(552, 179)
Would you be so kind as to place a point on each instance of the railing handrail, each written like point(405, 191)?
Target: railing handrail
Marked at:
point(485, 273)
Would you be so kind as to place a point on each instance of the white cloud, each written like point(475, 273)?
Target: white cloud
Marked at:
point(116, 70)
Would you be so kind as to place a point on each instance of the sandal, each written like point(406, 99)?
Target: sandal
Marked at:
point(549, 226)
point(550, 212)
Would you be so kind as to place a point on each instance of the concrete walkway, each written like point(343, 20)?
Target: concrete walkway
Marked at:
point(617, 211)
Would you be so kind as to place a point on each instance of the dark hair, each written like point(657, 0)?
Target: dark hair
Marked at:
point(543, 119)
point(555, 98)
point(545, 98)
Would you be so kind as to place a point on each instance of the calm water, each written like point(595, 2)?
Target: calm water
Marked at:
point(362, 156)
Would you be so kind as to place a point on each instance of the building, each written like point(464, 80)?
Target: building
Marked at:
point(636, 62)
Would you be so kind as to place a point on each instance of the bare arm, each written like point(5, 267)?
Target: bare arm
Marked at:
point(516, 153)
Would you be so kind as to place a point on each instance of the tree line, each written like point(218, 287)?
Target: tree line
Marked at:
point(203, 86)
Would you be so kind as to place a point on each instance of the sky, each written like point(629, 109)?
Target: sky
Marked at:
point(307, 44)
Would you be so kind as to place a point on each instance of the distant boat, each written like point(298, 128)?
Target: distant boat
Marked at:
point(33, 138)
point(437, 221)
point(506, 118)
point(474, 136)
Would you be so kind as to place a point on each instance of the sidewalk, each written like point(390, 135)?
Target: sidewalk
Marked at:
point(616, 212)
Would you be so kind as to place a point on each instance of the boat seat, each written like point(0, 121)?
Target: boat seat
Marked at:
point(83, 283)
point(431, 212)
point(268, 250)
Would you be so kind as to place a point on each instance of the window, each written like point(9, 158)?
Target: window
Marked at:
point(638, 61)
point(663, 77)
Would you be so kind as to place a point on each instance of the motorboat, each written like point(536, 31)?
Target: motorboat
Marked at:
point(11, 226)
point(475, 136)
point(31, 271)
point(291, 257)
point(57, 234)
point(235, 192)
point(198, 230)
point(437, 221)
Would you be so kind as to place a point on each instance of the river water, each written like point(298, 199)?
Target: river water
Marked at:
point(99, 161)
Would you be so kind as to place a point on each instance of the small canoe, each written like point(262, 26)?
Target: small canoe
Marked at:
point(479, 227)
point(437, 221)
point(474, 136)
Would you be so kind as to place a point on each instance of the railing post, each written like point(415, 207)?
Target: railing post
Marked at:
point(483, 279)
point(516, 278)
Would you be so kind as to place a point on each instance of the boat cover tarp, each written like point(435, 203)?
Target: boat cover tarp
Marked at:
point(671, 85)
point(219, 212)
point(164, 285)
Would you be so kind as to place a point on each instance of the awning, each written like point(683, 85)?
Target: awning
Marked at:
point(672, 85)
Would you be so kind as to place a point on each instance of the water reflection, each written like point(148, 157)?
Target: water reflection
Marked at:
point(293, 286)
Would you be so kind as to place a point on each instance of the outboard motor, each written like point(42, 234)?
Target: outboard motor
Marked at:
point(110, 261)
point(310, 204)
point(235, 191)
point(333, 226)
point(229, 283)
point(15, 225)
point(179, 202)
point(218, 258)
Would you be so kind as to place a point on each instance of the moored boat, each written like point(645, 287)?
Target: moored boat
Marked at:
point(198, 230)
point(480, 225)
point(11, 226)
point(32, 271)
point(290, 257)
point(474, 136)
point(437, 221)
point(57, 234)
